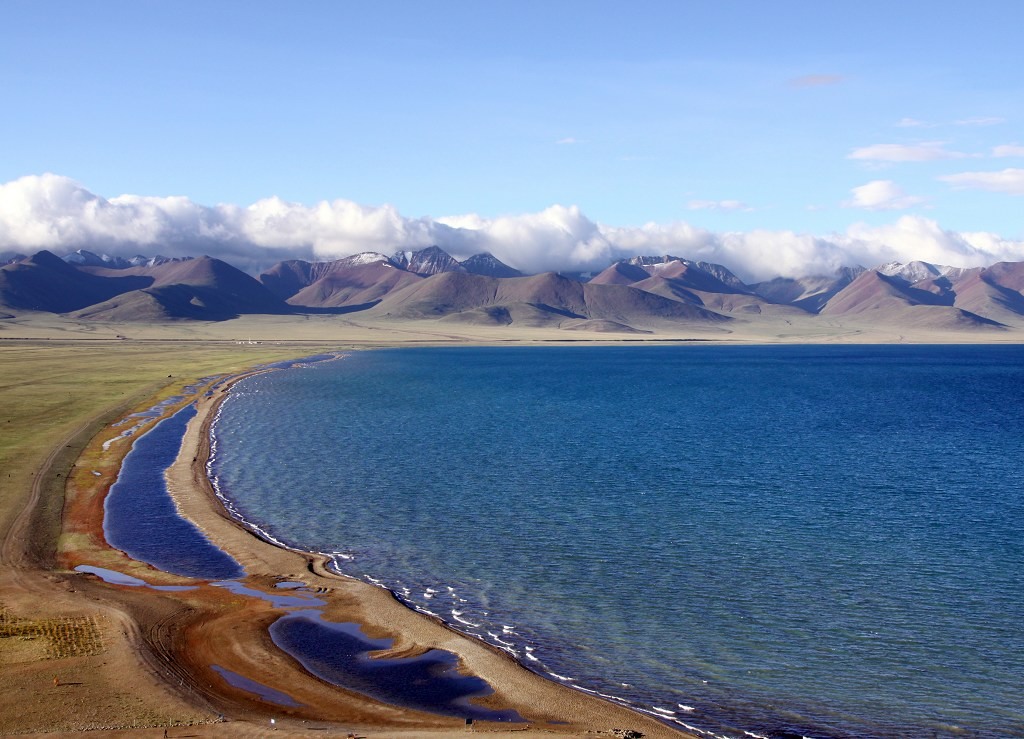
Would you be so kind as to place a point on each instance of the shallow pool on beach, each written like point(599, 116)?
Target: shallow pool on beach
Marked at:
point(140, 518)
point(822, 541)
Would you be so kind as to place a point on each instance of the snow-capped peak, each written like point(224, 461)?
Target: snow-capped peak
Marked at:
point(366, 257)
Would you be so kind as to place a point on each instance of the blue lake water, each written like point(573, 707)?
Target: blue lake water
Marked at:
point(818, 541)
point(140, 518)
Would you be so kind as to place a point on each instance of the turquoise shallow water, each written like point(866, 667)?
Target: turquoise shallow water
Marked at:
point(819, 541)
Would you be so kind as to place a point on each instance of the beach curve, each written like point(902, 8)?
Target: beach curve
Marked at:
point(218, 630)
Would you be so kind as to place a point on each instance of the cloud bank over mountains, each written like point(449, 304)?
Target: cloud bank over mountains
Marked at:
point(54, 212)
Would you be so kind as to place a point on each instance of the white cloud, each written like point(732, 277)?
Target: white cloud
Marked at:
point(726, 205)
point(53, 212)
point(927, 151)
point(980, 121)
point(913, 237)
point(911, 123)
point(331, 228)
point(1009, 180)
point(1008, 150)
point(568, 141)
point(557, 238)
point(882, 195)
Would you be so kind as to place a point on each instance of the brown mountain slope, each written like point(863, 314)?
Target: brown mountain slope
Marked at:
point(286, 278)
point(432, 260)
point(891, 300)
point(690, 283)
point(152, 305)
point(686, 274)
point(668, 288)
point(668, 266)
point(978, 295)
point(620, 273)
point(45, 282)
point(1009, 275)
point(354, 285)
point(745, 304)
point(624, 304)
point(547, 298)
point(872, 291)
point(692, 277)
point(489, 265)
point(203, 288)
point(548, 291)
point(733, 301)
point(438, 295)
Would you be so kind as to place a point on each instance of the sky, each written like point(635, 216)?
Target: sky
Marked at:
point(776, 138)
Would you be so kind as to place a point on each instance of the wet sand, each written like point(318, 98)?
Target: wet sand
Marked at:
point(186, 634)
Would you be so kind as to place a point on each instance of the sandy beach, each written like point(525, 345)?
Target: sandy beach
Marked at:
point(143, 659)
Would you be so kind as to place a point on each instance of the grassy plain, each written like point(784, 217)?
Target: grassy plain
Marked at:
point(67, 661)
point(52, 388)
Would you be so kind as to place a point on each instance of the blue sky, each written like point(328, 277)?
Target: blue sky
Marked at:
point(727, 116)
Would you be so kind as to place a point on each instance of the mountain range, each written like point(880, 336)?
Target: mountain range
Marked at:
point(641, 294)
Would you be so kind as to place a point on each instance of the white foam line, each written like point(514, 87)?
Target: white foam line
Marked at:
point(694, 729)
point(609, 696)
point(499, 639)
point(457, 616)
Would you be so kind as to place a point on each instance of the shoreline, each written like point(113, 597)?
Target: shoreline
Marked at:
point(560, 709)
point(327, 564)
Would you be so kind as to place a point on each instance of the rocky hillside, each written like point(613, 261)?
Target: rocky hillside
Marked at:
point(638, 294)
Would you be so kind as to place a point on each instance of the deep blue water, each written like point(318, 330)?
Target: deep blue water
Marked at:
point(339, 654)
point(140, 519)
point(820, 540)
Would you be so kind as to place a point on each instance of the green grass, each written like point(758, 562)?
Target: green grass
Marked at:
point(50, 389)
